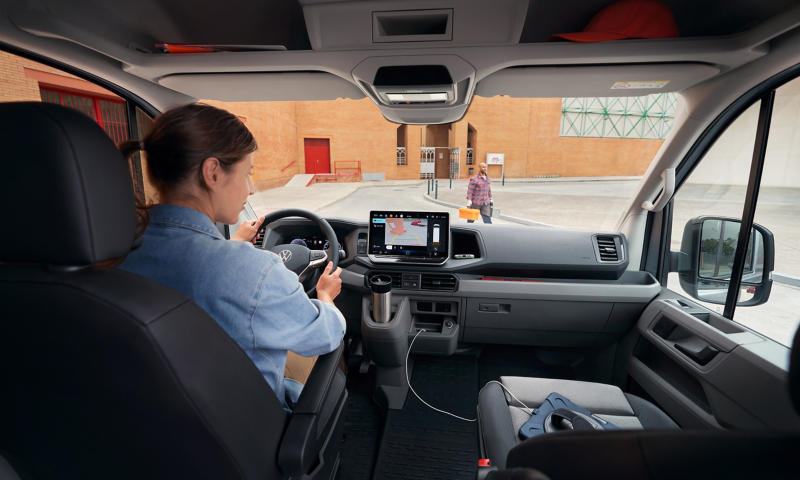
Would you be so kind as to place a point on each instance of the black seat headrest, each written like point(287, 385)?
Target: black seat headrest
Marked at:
point(67, 192)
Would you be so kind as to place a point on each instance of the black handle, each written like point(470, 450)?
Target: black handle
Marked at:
point(700, 357)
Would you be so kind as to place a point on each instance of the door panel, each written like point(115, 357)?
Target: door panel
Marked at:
point(318, 155)
point(743, 385)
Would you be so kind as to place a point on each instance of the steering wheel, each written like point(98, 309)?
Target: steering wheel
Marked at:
point(298, 258)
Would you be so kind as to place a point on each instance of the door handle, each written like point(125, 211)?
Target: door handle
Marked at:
point(700, 357)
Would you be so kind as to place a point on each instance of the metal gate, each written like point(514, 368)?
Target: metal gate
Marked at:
point(455, 163)
point(427, 162)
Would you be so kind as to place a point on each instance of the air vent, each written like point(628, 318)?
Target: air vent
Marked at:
point(260, 241)
point(607, 249)
point(438, 281)
point(461, 90)
point(397, 278)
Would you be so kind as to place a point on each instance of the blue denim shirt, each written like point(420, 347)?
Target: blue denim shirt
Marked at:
point(248, 291)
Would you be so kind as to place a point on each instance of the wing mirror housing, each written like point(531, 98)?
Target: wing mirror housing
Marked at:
point(705, 261)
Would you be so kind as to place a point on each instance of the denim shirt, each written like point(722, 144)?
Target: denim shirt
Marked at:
point(248, 291)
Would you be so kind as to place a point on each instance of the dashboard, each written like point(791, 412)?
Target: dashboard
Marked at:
point(501, 284)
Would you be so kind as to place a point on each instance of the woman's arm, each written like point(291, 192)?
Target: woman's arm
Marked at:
point(286, 319)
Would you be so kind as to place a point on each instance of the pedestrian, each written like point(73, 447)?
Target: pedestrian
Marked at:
point(479, 194)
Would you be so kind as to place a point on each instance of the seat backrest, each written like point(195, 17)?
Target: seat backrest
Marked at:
point(104, 374)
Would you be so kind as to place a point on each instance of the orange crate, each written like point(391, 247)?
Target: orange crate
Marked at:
point(469, 213)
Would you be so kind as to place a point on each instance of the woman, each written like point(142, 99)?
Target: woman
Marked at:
point(199, 160)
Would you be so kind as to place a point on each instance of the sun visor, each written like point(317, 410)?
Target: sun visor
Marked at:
point(594, 81)
point(264, 86)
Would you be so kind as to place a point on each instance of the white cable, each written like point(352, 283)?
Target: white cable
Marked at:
point(529, 409)
point(415, 393)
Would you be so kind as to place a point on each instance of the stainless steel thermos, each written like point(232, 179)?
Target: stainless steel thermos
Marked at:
point(381, 286)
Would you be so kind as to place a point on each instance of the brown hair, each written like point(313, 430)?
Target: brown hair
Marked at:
point(180, 140)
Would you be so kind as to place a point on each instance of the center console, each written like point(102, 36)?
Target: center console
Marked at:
point(408, 238)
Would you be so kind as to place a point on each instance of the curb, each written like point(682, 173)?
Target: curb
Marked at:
point(786, 279)
point(523, 221)
point(501, 216)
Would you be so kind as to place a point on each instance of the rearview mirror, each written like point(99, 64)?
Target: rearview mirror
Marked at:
point(705, 262)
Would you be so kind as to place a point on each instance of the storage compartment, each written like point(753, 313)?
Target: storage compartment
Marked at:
point(424, 306)
point(412, 26)
point(672, 373)
point(430, 323)
point(465, 243)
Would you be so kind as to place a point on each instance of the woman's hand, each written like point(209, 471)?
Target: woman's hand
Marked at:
point(248, 230)
point(329, 286)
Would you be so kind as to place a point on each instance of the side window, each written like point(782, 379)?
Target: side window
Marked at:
point(778, 210)
point(24, 80)
point(717, 187)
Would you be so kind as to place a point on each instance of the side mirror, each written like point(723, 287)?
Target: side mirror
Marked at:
point(705, 262)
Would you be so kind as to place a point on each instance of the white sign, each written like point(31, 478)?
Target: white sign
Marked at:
point(495, 158)
point(632, 85)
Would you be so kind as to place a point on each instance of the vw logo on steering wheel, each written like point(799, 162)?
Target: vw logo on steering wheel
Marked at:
point(285, 255)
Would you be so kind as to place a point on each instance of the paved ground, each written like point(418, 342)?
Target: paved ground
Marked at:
point(581, 204)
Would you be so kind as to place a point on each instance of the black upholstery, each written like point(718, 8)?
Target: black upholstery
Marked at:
point(105, 374)
point(60, 168)
point(113, 369)
point(662, 454)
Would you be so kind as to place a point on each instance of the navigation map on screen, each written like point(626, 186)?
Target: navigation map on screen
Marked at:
point(406, 231)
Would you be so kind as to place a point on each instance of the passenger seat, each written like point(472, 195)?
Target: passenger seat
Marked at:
point(500, 416)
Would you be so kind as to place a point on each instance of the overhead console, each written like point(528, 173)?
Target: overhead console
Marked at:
point(423, 90)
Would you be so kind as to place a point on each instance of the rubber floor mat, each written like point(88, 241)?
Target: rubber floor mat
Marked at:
point(361, 427)
point(420, 443)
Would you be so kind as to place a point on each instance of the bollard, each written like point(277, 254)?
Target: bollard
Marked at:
point(451, 182)
point(428, 182)
point(504, 181)
point(436, 195)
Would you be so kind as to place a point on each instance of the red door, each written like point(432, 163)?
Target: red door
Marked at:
point(318, 155)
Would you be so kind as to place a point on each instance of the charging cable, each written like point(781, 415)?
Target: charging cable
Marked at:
point(530, 411)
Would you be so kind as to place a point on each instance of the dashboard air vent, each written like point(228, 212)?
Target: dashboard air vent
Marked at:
point(607, 248)
point(397, 278)
point(438, 281)
point(260, 241)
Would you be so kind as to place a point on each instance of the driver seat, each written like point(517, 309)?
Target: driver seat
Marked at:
point(105, 374)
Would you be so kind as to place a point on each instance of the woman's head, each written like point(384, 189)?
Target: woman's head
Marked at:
point(199, 155)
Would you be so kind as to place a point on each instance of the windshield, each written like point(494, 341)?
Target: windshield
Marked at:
point(569, 162)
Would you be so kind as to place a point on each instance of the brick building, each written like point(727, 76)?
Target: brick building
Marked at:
point(346, 136)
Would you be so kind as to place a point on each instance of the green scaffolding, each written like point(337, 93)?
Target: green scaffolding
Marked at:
point(651, 116)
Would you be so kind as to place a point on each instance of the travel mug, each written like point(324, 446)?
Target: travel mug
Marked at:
point(381, 286)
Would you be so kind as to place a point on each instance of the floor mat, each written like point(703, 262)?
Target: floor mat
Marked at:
point(420, 443)
point(516, 361)
point(361, 428)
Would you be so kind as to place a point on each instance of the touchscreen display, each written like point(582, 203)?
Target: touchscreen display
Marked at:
point(417, 235)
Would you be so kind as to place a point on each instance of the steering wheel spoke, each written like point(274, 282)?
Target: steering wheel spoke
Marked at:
point(300, 259)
